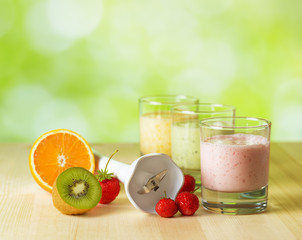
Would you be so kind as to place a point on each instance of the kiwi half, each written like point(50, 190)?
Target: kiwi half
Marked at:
point(76, 191)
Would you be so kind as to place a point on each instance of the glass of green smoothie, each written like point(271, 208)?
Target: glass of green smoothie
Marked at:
point(185, 133)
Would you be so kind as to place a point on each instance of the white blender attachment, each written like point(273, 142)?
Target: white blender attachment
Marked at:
point(146, 179)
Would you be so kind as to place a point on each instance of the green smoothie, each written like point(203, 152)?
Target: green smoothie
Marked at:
point(186, 145)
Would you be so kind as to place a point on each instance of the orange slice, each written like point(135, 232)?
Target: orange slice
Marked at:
point(54, 152)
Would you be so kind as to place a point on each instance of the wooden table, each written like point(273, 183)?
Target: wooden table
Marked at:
point(27, 212)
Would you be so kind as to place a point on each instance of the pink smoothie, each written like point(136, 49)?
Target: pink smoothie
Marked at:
point(234, 163)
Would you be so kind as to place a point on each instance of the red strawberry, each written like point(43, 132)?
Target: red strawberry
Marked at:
point(110, 190)
point(189, 184)
point(166, 207)
point(110, 185)
point(187, 203)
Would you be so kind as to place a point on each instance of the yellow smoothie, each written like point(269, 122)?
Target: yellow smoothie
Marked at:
point(155, 133)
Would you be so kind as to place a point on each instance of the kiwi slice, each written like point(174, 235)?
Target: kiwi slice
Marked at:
point(76, 191)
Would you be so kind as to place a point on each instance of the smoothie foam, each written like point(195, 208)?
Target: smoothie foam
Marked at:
point(234, 163)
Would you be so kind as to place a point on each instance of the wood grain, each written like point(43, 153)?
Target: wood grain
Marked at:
point(27, 212)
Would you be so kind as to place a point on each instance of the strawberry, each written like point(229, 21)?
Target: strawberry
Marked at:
point(110, 185)
point(189, 184)
point(166, 207)
point(110, 189)
point(187, 203)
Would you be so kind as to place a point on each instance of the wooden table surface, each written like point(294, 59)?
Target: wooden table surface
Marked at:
point(27, 212)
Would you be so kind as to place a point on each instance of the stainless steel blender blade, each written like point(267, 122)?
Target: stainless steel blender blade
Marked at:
point(153, 183)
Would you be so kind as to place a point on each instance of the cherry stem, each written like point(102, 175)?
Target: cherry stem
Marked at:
point(110, 159)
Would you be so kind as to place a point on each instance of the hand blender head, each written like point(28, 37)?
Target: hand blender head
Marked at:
point(147, 178)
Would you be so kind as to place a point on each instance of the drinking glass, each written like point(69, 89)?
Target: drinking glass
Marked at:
point(186, 133)
point(234, 162)
point(155, 121)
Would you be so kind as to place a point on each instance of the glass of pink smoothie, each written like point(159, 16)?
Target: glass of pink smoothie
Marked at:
point(155, 121)
point(234, 162)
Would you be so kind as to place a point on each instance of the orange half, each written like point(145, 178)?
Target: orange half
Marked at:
point(54, 152)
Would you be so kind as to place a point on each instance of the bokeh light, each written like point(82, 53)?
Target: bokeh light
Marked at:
point(41, 36)
point(74, 18)
point(84, 64)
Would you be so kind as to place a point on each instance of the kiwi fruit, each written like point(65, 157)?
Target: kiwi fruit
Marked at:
point(76, 191)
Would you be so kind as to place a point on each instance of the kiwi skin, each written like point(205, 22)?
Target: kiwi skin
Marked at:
point(64, 207)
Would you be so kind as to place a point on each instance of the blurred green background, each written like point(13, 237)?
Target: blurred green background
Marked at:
point(83, 64)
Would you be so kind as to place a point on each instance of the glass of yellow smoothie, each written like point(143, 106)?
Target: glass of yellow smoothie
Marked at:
point(156, 120)
point(186, 133)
